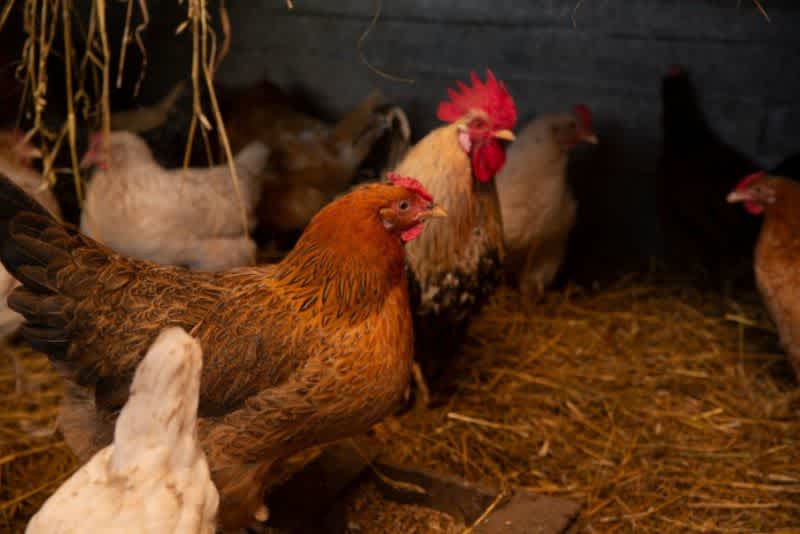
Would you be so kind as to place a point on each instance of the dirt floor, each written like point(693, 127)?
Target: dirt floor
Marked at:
point(659, 408)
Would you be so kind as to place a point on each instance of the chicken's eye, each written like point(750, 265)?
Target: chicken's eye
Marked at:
point(403, 205)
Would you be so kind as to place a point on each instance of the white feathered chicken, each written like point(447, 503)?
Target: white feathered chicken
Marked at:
point(536, 202)
point(15, 156)
point(154, 478)
point(189, 217)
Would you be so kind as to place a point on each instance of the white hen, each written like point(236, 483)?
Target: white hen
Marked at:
point(536, 202)
point(190, 217)
point(154, 477)
point(14, 163)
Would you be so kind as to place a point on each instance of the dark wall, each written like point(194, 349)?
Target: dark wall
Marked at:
point(552, 54)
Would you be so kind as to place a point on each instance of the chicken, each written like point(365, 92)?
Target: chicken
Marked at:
point(309, 350)
point(777, 255)
point(15, 156)
point(154, 478)
point(536, 202)
point(695, 175)
point(312, 160)
point(455, 265)
point(188, 217)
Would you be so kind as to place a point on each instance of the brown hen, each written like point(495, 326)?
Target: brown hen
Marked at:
point(777, 256)
point(312, 349)
point(311, 160)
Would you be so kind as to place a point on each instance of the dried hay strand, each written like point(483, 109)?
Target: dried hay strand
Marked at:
point(660, 408)
point(88, 81)
point(643, 401)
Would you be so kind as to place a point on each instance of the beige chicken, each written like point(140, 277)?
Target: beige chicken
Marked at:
point(154, 477)
point(188, 217)
point(536, 202)
point(15, 159)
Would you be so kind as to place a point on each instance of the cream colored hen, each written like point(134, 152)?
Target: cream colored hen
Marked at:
point(154, 478)
point(15, 156)
point(189, 217)
point(536, 202)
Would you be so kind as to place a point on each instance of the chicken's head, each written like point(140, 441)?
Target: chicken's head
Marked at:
point(485, 114)
point(571, 129)
point(117, 149)
point(756, 191)
point(409, 208)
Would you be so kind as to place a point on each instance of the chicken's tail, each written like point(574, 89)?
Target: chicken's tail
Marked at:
point(251, 165)
point(161, 411)
point(36, 249)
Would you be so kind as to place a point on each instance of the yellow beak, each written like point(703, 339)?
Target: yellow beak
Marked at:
point(506, 135)
point(590, 138)
point(436, 212)
point(737, 196)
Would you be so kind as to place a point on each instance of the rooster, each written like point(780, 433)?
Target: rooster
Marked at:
point(695, 175)
point(189, 217)
point(312, 349)
point(536, 201)
point(455, 265)
point(777, 255)
point(312, 161)
point(154, 478)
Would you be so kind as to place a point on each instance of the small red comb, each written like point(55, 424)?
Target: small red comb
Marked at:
point(492, 97)
point(584, 114)
point(411, 184)
point(674, 71)
point(749, 179)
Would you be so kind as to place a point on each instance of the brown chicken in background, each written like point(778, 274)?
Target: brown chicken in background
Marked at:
point(15, 162)
point(536, 202)
point(311, 161)
point(777, 253)
point(696, 173)
point(189, 217)
point(312, 349)
point(455, 265)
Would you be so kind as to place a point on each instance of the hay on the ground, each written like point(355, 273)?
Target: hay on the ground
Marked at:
point(660, 408)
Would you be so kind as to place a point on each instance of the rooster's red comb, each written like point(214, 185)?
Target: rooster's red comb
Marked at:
point(584, 115)
point(749, 179)
point(409, 183)
point(492, 97)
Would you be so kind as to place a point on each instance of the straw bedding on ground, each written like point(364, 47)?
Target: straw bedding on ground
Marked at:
point(660, 408)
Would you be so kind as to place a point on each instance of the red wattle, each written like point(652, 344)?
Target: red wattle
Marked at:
point(412, 233)
point(487, 160)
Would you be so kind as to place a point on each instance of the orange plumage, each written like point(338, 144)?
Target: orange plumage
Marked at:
point(777, 254)
point(312, 349)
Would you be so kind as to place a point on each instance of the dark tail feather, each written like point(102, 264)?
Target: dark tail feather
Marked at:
point(20, 215)
point(32, 246)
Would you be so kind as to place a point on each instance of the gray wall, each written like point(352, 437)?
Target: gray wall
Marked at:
point(610, 56)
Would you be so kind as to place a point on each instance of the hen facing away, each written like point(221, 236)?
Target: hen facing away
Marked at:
point(15, 156)
point(296, 354)
point(777, 254)
point(188, 217)
point(154, 477)
point(455, 265)
point(536, 202)
point(312, 161)
point(697, 170)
